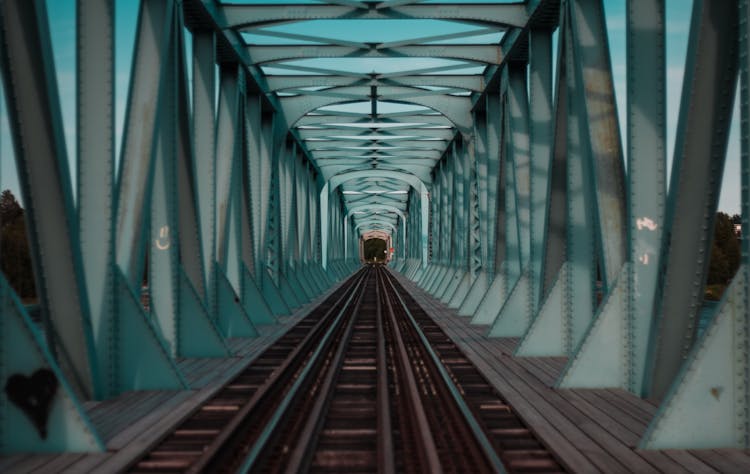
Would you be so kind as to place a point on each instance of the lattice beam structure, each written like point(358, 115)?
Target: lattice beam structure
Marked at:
point(242, 188)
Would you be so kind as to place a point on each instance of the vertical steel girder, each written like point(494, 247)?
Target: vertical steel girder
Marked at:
point(514, 315)
point(458, 192)
point(228, 148)
point(41, 158)
point(520, 151)
point(163, 247)
point(706, 405)
point(475, 241)
point(204, 119)
point(587, 154)
point(700, 150)
point(495, 188)
point(136, 163)
point(253, 139)
point(96, 165)
point(646, 173)
point(625, 311)
point(541, 135)
point(481, 171)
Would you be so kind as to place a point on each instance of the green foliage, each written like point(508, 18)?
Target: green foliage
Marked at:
point(15, 258)
point(725, 256)
point(375, 248)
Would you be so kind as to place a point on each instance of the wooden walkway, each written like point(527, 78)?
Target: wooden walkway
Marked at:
point(590, 430)
point(135, 421)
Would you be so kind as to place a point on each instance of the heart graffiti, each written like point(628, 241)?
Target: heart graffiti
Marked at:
point(33, 395)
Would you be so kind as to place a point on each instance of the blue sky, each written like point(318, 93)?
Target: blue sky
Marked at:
point(62, 24)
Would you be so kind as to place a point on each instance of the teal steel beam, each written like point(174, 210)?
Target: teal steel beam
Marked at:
point(569, 267)
point(248, 164)
point(25, 353)
point(254, 162)
point(515, 316)
point(144, 356)
point(541, 136)
point(712, 385)
point(549, 331)
point(227, 153)
point(269, 55)
point(264, 184)
point(520, 150)
point(464, 81)
point(204, 144)
point(191, 251)
point(495, 185)
point(580, 274)
point(96, 167)
point(162, 226)
point(42, 163)
point(625, 313)
point(700, 149)
point(136, 162)
point(455, 108)
point(602, 132)
point(245, 16)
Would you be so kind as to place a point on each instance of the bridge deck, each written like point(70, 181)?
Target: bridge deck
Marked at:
point(132, 422)
point(589, 430)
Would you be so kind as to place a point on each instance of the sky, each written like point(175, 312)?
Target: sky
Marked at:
point(62, 26)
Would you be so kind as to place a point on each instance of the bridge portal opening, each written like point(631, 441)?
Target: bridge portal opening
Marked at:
point(375, 250)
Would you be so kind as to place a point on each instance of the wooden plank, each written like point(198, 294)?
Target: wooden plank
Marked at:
point(725, 460)
point(103, 412)
point(632, 406)
point(148, 422)
point(8, 460)
point(689, 461)
point(534, 411)
point(564, 441)
point(88, 464)
point(30, 463)
point(612, 425)
point(636, 426)
point(59, 463)
point(599, 408)
point(590, 438)
point(646, 406)
point(130, 448)
point(216, 373)
point(558, 408)
point(132, 408)
point(658, 459)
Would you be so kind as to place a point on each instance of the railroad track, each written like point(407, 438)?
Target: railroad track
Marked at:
point(366, 383)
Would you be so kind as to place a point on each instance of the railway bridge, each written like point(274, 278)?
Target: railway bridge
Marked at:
point(196, 208)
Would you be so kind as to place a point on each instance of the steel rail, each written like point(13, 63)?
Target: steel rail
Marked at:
point(252, 457)
point(429, 451)
point(386, 454)
point(316, 417)
point(476, 428)
point(211, 449)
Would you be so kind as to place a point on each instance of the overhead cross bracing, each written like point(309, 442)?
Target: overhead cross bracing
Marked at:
point(375, 86)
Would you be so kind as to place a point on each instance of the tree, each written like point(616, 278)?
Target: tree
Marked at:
point(10, 209)
point(15, 258)
point(725, 256)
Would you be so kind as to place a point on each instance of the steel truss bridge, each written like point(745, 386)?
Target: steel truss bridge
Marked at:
point(248, 172)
